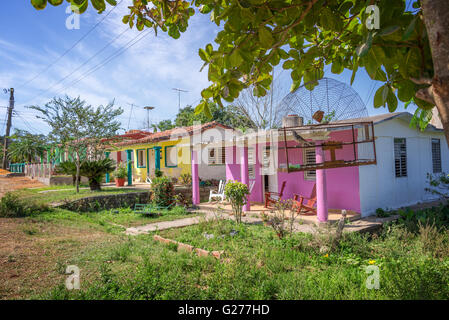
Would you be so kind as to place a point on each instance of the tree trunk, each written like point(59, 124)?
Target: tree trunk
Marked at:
point(94, 185)
point(436, 19)
point(77, 161)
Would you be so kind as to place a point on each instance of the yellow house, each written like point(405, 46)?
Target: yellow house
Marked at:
point(170, 152)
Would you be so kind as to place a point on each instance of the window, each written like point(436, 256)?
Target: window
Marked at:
point(251, 163)
point(171, 156)
point(436, 156)
point(309, 158)
point(266, 161)
point(216, 156)
point(400, 157)
point(141, 158)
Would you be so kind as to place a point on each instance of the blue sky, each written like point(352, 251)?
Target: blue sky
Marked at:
point(144, 74)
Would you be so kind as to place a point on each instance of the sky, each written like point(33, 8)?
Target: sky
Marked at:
point(104, 60)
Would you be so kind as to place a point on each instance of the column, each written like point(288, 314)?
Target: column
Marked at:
point(119, 156)
point(107, 173)
point(321, 190)
point(157, 158)
point(129, 164)
point(195, 179)
point(244, 176)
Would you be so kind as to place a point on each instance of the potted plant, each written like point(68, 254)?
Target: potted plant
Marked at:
point(120, 175)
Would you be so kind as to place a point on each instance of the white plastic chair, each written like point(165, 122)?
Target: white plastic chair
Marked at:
point(218, 194)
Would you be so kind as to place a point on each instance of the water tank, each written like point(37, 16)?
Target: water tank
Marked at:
point(292, 120)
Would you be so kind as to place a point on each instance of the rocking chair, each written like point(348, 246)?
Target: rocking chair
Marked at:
point(305, 205)
point(274, 197)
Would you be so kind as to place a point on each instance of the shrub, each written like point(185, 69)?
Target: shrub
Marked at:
point(12, 206)
point(281, 221)
point(158, 173)
point(162, 191)
point(182, 201)
point(185, 179)
point(68, 168)
point(95, 171)
point(237, 192)
point(439, 185)
point(121, 172)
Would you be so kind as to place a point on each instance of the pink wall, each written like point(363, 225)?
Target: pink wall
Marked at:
point(342, 183)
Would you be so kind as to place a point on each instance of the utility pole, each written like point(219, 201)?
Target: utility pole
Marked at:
point(179, 96)
point(148, 108)
point(8, 127)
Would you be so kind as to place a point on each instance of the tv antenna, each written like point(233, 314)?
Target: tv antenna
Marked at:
point(179, 96)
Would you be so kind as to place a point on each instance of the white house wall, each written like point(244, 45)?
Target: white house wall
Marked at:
point(379, 186)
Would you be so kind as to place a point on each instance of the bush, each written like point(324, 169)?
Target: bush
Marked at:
point(163, 191)
point(11, 206)
point(95, 171)
point(185, 179)
point(236, 192)
point(68, 168)
point(158, 173)
point(121, 172)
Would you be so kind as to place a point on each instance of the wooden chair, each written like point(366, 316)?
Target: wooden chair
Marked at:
point(274, 197)
point(305, 205)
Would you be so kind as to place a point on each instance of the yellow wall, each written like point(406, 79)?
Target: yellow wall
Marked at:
point(183, 152)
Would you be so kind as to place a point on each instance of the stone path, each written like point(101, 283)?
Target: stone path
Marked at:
point(367, 224)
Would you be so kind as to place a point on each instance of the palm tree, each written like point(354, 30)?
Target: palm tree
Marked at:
point(26, 147)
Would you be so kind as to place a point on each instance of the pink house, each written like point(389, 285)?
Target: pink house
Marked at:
point(361, 175)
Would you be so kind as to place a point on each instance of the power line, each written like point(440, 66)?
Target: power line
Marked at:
point(80, 66)
point(73, 46)
point(108, 59)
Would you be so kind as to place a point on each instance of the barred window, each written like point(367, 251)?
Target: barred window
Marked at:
point(216, 156)
point(251, 163)
point(436, 156)
point(309, 158)
point(400, 157)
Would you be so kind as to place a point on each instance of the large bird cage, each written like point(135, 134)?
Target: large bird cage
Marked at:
point(340, 130)
point(343, 144)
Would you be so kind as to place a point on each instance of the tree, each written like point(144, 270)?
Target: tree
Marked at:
point(26, 147)
point(228, 115)
point(165, 125)
point(79, 128)
point(264, 112)
point(408, 50)
point(95, 171)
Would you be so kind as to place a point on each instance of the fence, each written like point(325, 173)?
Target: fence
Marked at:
point(17, 167)
point(39, 170)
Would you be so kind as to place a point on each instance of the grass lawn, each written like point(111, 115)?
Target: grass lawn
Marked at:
point(46, 195)
point(412, 256)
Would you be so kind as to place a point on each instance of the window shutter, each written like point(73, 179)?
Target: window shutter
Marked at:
point(309, 159)
point(400, 157)
point(436, 156)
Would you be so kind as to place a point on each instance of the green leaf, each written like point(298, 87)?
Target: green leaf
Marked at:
point(380, 97)
point(39, 4)
point(125, 19)
point(207, 93)
point(112, 2)
point(99, 5)
point(289, 64)
point(411, 27)
point(203, 55)
point(206, 111)
point(199, 108)
point(406, 91)
point(392, 101)
point(354, 69)
point(55, 2)
point(363, 49)
point(265, 37)
point(337, 66)
point(235, 59)
point(388, 30)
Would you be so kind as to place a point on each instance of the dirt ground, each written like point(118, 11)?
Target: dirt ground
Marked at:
point(15, 183)
point(34, 254)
